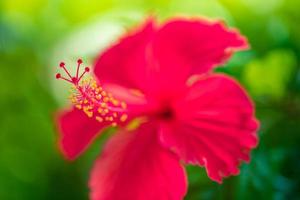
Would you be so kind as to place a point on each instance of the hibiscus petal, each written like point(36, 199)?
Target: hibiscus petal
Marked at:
point(215, 126)
point(77, 131)
point(158, 60)
point(126, 63)
point(137, 103)
point(135, 166)
point(186, 46)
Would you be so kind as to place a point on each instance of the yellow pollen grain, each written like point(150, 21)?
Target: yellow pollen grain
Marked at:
point(73, 101)
point(114, 124)
point(109, 118)
point(123, 118)
point(103, 105)
point(123, 105)
point(86, 108)
point(111, 99)
point(105, 99)
point(89, 107)
point(99, 119)
point(100, 110)
point(115, 102)
point(98, 97)
point(88, 113)
point(115, 114)
point(78, 106)
point(103, 93)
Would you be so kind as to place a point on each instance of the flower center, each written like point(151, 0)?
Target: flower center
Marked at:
point(166, 114)
point(87, 95)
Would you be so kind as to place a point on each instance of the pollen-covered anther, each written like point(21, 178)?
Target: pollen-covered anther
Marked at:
point(99, 119)
point(123, 118)
point(123, 105)
point(87, 95)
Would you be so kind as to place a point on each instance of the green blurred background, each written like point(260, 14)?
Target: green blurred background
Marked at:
point(36, 34)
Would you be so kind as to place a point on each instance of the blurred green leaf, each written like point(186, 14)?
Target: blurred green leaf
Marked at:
point(269, 76)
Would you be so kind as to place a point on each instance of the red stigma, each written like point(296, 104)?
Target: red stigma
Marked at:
point(70, 78)
point(62, 64)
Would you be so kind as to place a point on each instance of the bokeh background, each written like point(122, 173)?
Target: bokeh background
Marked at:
point(36, 34)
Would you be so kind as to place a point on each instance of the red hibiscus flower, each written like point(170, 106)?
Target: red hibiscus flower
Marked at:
point(162, 76)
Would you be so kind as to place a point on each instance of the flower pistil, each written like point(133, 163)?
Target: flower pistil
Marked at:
point(88, 95)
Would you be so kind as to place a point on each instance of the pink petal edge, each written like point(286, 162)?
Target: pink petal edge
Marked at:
point(77, 131)
point(188, 46)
